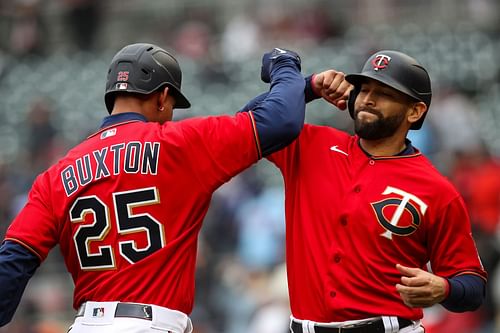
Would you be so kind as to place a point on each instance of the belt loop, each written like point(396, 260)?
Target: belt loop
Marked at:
point(311, 327)
point(391, 324)
point(307, 326)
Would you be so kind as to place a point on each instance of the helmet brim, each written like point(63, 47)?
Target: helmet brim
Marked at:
point(358, 79)
point(181, 102)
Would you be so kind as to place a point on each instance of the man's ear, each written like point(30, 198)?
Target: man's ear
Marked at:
point(162, 98)
point(417, 111)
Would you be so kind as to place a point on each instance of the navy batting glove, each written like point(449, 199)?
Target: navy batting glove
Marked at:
point(270, 58)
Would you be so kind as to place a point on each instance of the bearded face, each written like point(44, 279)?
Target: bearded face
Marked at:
point(380, 111)
point(379, 126)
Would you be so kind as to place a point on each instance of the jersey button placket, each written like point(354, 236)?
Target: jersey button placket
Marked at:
point(372, 162)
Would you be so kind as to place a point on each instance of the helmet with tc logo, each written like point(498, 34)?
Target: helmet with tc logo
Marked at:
point(398, 71)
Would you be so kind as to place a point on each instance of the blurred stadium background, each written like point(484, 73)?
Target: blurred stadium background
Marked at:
point(53, 61)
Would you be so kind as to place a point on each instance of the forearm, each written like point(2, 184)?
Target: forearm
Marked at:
point(467, 293)
point(309, 92)
point(17, 266)
point(279, 114)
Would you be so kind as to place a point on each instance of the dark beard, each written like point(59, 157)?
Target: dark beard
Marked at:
point(380, 128)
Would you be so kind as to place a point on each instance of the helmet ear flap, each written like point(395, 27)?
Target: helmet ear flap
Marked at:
point(352, 98)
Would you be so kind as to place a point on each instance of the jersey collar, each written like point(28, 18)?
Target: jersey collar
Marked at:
point(408, 151)
point(122, 117)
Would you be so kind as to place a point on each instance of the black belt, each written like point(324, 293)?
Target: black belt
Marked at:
point(376, 326)
point(131, 310)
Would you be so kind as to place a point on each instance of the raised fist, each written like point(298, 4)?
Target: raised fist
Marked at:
point(333, 87)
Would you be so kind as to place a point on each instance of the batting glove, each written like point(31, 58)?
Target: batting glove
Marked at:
point(271, 58)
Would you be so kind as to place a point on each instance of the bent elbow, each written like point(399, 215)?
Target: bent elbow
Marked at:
point(294, 128)
point(289, 130)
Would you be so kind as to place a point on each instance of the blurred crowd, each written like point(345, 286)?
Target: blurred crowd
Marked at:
point(241, 278)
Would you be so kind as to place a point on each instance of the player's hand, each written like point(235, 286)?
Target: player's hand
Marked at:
point(333, 87)
point(272, 57)
point(419, 288)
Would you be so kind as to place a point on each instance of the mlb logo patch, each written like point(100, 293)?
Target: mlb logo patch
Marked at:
point(108, 133)
point(98, 312)
point(122, 86)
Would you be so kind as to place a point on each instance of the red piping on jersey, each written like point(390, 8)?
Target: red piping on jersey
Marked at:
point(472, 273)
point(26, 246)
point(417, 153)
point(256, 135)
point(110, 126)
point(395, 157)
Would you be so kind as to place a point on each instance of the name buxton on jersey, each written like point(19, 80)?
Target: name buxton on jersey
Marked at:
point(131, 157)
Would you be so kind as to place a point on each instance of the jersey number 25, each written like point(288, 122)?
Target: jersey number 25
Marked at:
point(126, 222)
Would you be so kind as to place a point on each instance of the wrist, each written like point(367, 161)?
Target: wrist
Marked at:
point(447, 288)
point(310, 92)
point(315, 89)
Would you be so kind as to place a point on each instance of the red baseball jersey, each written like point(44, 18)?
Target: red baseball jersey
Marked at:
point(126, 206)
point(350, 218)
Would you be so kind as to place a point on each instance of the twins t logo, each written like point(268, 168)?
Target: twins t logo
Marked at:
point(405, 202)
point(380, 61)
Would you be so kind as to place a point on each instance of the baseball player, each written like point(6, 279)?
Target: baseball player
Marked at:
point(374, 232)
point(126, 205)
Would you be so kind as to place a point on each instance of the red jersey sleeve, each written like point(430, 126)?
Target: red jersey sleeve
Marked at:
point(451, 243)
point(220, 147)
point(35, 227)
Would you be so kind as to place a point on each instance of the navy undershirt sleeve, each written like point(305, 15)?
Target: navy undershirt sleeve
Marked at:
point(17, 266)
point(309, 93)
point(308, 90)
point(467, 293)
point(253, 103)
point(279, 114)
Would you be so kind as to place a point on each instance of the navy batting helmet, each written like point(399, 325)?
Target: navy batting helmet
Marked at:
point(144, 68)
point(398, 71)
